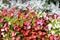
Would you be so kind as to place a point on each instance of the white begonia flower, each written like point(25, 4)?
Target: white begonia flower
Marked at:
point(49, 26)
point(59, 33)
point(54, 27)
point(2, 29)
point(33, 4)
point(2, 33)
point(52, 32)
point(57, 26)
point(9, 23)
point(5, 35)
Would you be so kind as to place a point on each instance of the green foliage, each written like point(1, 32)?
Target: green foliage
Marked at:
point(21, 21)
point(7, 18)
point(1, 24)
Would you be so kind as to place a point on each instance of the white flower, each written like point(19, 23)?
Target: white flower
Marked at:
point(9, 23)
point(2, 29)
point(49, 26)
point(54, 27)
point(57, 26)
point(52, 32)
point(2, 33)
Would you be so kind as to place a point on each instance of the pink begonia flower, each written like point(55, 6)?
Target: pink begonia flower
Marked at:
point(17, 28)
point(13, 9)
point(5, 25)
point(13, 34)
point(34, 35)
point(6, 29)
point(39, 22)
point(27, 23)
point(4, 12)
point(11, 14)
point(13, 38)
point(26, 16)
point(37, 28)
point(46, 18)
point(56, 38)
point(42, 38)
point(55, 16)
point(1, 19)
point(19, 13)
point(25, 33)
point(51, 37)
point(18, 38)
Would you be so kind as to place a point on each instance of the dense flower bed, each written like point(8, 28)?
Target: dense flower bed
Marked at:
point(28, 26)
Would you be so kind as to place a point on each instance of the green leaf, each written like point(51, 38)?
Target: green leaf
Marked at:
point(6, 18)
point(44, 6)
point(21, 21)
point(19, 34)
point(1, 24)
point(13, 20)
point(53, 23)
point(8, 35)
point(32, 22)
point(11, 27)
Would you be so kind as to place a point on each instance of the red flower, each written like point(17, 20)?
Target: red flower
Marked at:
point(19, 13)
point(25, 33)
point(18, 38)
point(42, 38)
point(11, 14)
point(28, 8)
point(27, 23)
point(6, 29)
point(5, 25)
point(13, 9)
point(4, 12)
point(4, 9)
point(13, 34)
point(13, 38)
point(55, 16)
point(25, 28)
point(32, 11)
point(17, 28)
point(24, 38)
point(46, 18)
point(51, 38)
point(34, 35)
point(1, 19)
point(26, 16)
point(29, 38)
point(39, 22)
point(56, 38)
point(45, 28)
point(37, 28)
point(41, 33)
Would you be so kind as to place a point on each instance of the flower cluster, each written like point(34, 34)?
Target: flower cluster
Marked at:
point(27, 26)
point(38, 5)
